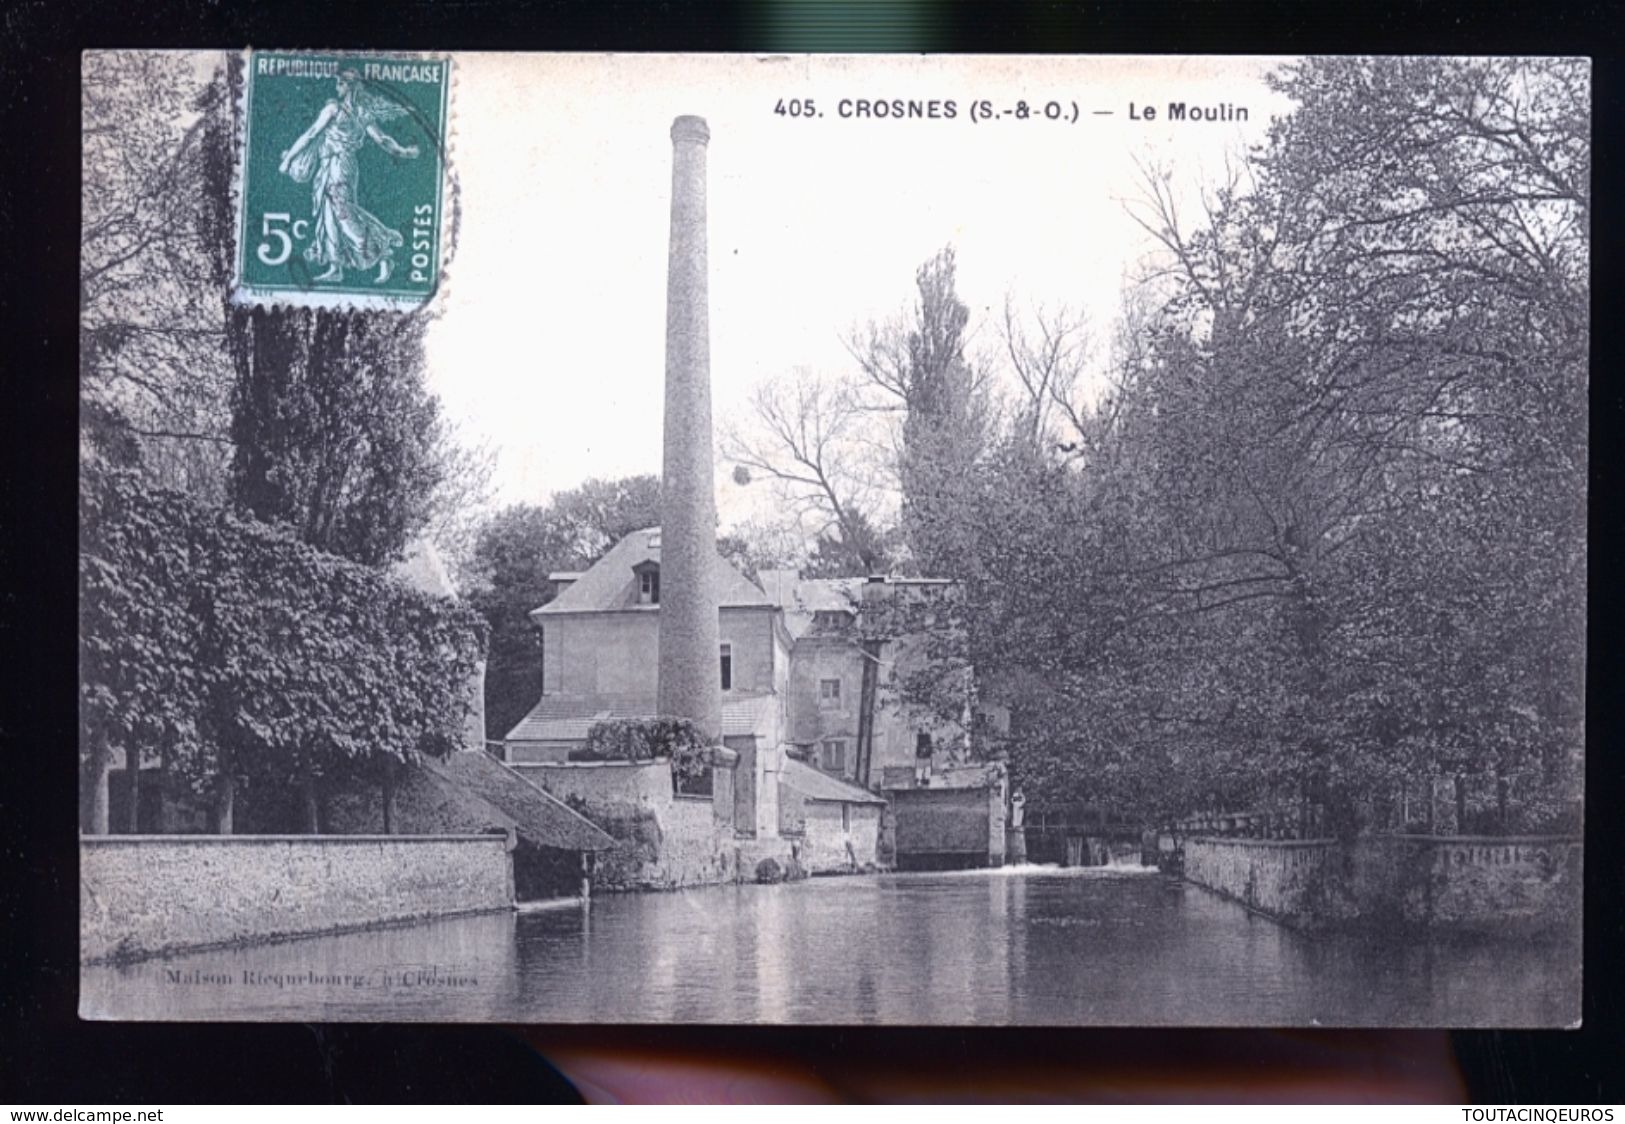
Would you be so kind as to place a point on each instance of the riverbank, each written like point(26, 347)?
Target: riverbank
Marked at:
point(1048, 946)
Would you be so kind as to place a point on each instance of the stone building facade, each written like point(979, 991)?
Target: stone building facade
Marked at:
point(847, 711)
point(812, 675)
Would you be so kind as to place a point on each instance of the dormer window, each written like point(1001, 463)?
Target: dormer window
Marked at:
point(831, 620)
point(648, 574)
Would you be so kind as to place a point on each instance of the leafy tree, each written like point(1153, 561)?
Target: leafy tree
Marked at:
point(918, 367)
point(334, 432)
point(236, 656)
point(756, 545)
point(144, 673)
point(1324, 536)
point(856, 549)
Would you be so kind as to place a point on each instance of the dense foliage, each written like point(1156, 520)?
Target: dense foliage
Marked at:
point(1323, 540)
point(222, 648)
point(677, 740)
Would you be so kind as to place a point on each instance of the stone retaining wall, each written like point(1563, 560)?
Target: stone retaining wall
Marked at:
point(1287, 880)
point(146, 894)
point(1510, 886)
point(646, 782)
point(663, 840)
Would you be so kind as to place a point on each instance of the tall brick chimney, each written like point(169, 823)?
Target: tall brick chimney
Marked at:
point(689, 685)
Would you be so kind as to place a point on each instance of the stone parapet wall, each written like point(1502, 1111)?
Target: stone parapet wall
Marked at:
point(146, 894)
point(1525, 885)
point(644, 782)
point(1287, 880)
point(1475, 883)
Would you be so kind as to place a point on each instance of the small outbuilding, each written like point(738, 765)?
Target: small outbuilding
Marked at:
point(835, 824)
point(469, 793)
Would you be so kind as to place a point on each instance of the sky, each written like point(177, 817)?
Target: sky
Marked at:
point(549, 344)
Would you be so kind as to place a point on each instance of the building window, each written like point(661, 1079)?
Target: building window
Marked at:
point(834, 755)
point(829, 694)
point(846, 817)
point(649, 587)
point(727, 667)
point(702, 785)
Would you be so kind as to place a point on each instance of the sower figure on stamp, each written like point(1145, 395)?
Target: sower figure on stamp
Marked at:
point(345, 234)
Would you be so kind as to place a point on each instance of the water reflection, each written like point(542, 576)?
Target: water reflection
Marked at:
point(1040, 946)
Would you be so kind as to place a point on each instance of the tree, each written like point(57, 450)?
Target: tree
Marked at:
point(334, 433)
point(236, 656)
point(918, 368)
point(342, 440)
point(816, 441)
point(1047, 353)
point(753, 546)
point(515, 553)
point(461, 502)
point(318, 421)
point(154, 376)
point(1324, 536)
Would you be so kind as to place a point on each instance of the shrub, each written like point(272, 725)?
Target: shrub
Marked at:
point(649, 739)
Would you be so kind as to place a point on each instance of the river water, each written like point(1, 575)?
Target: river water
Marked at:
point(1028, 945)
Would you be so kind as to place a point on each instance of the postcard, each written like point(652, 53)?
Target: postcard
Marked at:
point(914, 540)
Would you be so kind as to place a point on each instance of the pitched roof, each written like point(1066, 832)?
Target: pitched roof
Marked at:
point(567, 718)
point(538, 816)
point(815, 785)
point(801, 597)
point(609, 583)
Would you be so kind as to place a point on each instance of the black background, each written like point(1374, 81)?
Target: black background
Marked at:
point(48, 1057)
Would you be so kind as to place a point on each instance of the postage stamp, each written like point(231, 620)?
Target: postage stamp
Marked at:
point(342, 180)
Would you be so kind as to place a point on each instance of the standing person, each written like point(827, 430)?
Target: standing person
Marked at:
point(345, 234)
point(922, 760)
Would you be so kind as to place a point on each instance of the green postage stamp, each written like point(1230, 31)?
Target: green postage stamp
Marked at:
point(341, 198)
